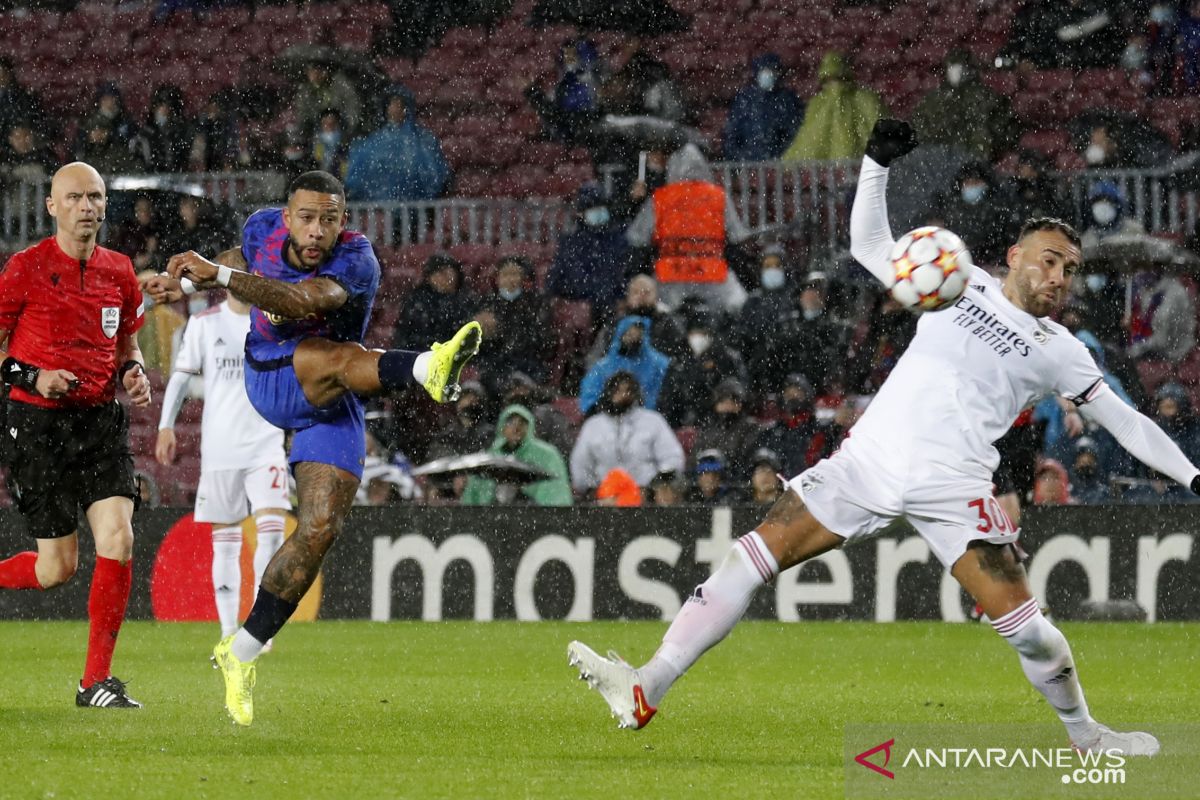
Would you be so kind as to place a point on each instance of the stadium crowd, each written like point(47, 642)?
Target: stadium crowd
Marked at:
point(675, 393)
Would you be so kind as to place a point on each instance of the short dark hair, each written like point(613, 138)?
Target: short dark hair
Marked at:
point(316, 181)
point(1035, 224)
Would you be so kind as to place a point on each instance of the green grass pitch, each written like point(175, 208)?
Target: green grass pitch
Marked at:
point(460, 710)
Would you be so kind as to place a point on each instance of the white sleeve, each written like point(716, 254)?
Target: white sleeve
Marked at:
point(173, 398)
point(870, 234)
point(1138, 434)
point(189, 357)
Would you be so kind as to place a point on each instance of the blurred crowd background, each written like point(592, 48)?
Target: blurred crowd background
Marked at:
point(607, 365)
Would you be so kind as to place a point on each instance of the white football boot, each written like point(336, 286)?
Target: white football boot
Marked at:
point(617, 682)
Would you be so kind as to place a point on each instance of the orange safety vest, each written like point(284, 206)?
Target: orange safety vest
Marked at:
point(689, 231)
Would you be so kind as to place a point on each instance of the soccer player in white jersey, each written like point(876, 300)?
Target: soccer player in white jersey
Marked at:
point(242, 462)
point(923, 451)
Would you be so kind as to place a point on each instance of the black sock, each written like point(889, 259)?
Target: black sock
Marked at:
point(396, 369)
point(268, 615)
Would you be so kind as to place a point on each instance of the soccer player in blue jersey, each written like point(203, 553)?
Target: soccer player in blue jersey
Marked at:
point(312, 285)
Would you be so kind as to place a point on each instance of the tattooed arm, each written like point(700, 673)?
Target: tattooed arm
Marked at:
point(290, 300)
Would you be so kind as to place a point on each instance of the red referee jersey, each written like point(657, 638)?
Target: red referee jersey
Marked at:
point(66, 314)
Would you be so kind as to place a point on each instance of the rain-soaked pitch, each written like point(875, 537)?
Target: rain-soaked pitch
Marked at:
point(456, 709)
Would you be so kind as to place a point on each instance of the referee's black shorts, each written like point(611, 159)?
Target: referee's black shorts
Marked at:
point(62, 460)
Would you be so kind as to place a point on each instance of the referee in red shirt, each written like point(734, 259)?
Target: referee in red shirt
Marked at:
point(69, 312)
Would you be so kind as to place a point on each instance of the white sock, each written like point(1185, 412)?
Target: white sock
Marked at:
point(1046, 659)
point(420, 367)
point(269, 537)
point(245, 647)
point(227, 575)
point(709, 614)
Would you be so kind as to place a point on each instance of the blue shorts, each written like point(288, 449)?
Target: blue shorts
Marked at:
point(333, 434)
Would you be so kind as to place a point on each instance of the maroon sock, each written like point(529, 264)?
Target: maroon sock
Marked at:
point(20, 571)
point(106, 611)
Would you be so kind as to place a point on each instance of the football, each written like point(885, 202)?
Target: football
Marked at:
point(930, 266)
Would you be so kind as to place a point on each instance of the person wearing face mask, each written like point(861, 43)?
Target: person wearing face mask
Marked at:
point(796, 435)
point(709, 363)
point(1105, 215)
point(622, 434)
point(516, 325)
point(1089, 478)
point(591, 259)
point(730, 430)
point(839, 119)
point(469, 431)
point(974, 209)
point(755, 331)
point(965, 112)
point(764, 116)
point(807, 339)
point(331, 144)
point(631, 350)
point(164, 141)
point(515, 437)
point(1031, 190)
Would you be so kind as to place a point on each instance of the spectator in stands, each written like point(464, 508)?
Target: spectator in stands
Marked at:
point(591, 260)
point(729, 429)
point(756, 328)
point(641, 300)
point(438, 306)
point(630, 352)
point(516, 321)
point(1163, 322)
point(326, 87)
point(1189, 46)
point(1107, 215)
point(1089, 481)
point(666, 490)
point(552, 424)
point(467, 432)
point(795, 437)
point(102, 150)
point(139, 236)
point(1174, 414)
point(622, 434)
point(401, 161)
point(164, 142)
point(1073, 34)
point(255, 147)
point(18, 104)
point(765, 485)
point(807, 339)
point(194, 229)
point(964, 112)
point(1051, 486)
point(974, 209)
point(574, 103)
point(214, 133)
point(1109, 140)
point(619, 490)
point(764, 116)
point(890, 328)
point(109, 110)
point(331, 144)
point(23, 158)
point(516, 437)
point(839, 119)
point(695, 377)
point(689, 222)
point(643, 87)
point(711, 485)
point(1031, 191)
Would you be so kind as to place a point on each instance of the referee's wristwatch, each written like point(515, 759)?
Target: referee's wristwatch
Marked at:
point(18, 373)
point(128, 365)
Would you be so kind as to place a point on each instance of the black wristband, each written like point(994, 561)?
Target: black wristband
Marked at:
point(18, 373)
point(128, 365)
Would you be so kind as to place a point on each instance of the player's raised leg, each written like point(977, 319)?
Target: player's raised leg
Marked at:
point(788, 536)
point(992, 574)
point(326, 494)
point(328, 369)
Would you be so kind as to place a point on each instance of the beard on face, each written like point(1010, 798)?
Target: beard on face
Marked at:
point(298, 253)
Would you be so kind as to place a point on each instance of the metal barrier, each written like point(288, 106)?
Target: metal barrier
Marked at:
point(807, 201)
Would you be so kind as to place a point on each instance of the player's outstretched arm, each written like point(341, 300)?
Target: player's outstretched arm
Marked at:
point(290, 300)
point(1144, 440)
point(870, 234)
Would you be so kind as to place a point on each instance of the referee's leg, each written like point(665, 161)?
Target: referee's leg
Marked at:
point(52, 565)
point(111, 520)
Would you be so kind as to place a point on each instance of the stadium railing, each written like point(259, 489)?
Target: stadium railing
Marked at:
point(798, 200)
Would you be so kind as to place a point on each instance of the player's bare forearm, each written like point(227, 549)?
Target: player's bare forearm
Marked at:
point(290, 300)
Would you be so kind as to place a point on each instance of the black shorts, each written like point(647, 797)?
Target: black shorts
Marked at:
point(63, 460)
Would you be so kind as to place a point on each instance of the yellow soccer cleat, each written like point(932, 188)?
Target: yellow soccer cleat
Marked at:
point(448, 360)
point(239, 681)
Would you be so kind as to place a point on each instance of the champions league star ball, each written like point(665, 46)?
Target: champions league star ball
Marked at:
point(930, 266)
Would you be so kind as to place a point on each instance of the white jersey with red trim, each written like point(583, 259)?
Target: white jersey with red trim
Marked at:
point(232, 434)
point(969, 372)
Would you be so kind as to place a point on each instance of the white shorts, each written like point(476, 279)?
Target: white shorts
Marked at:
point(854, 499)
point(228, 495)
